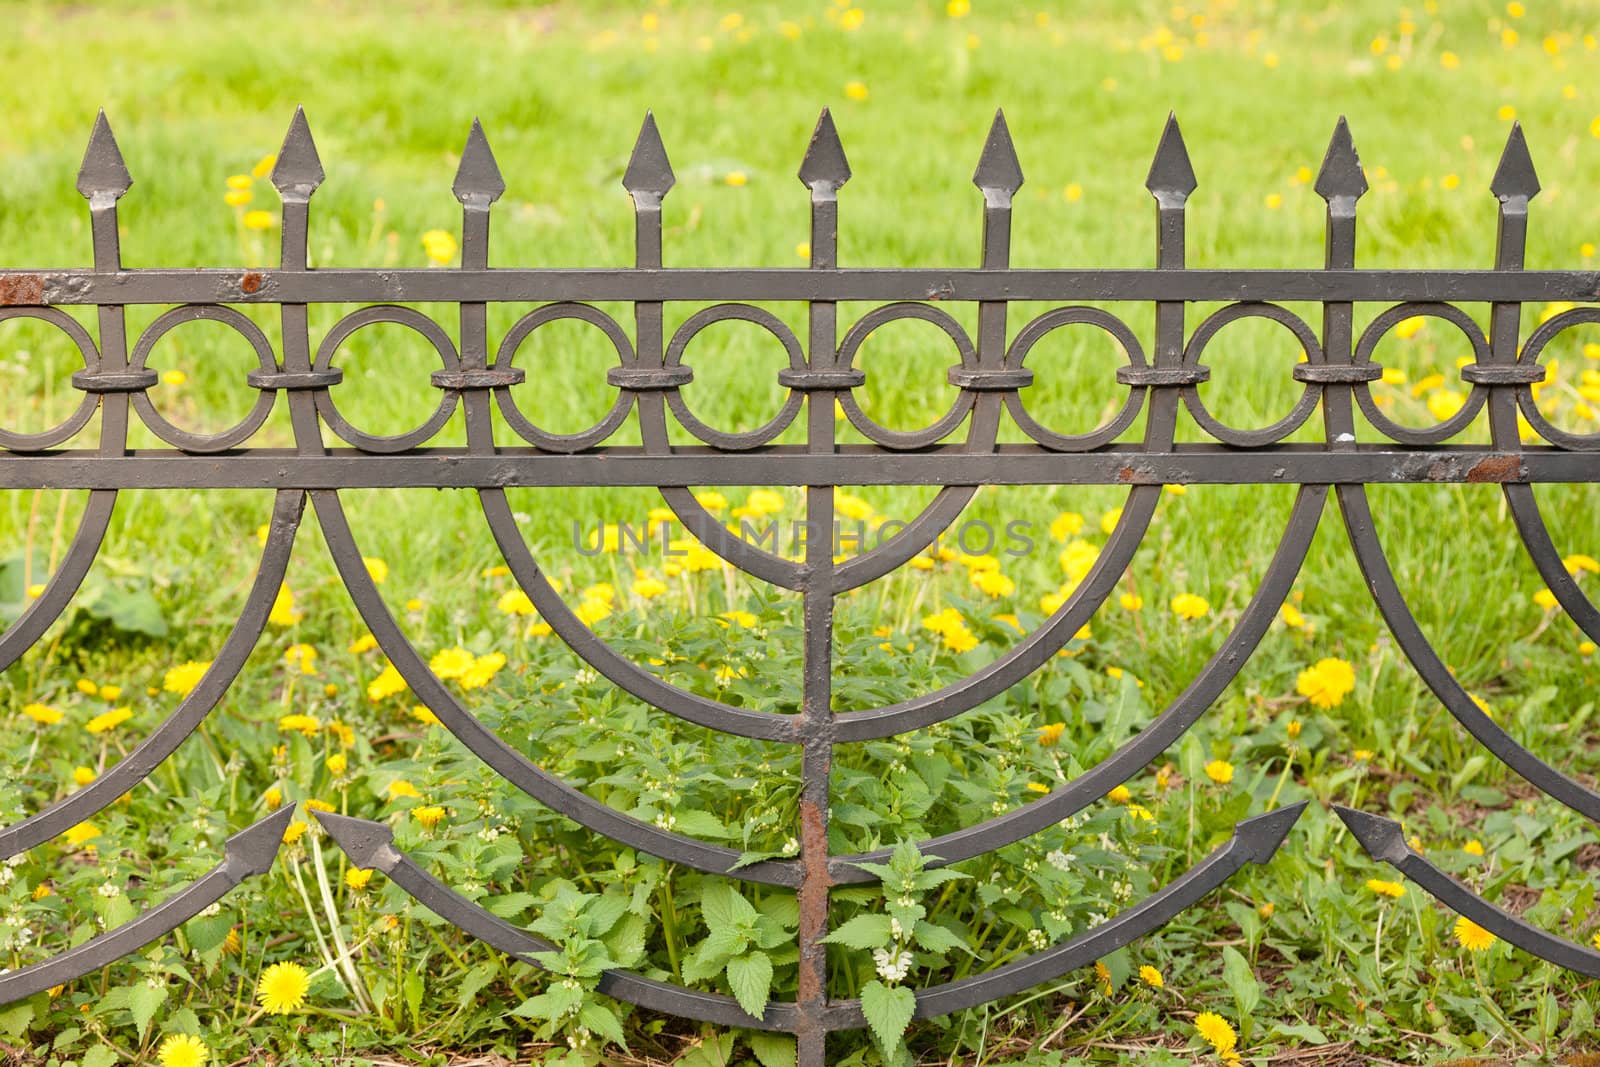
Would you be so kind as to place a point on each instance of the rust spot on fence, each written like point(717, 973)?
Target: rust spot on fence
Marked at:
point(251, 281)
point(1497, 469)
point(22, 289)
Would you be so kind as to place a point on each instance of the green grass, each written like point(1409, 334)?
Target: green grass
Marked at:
point(1290, 953)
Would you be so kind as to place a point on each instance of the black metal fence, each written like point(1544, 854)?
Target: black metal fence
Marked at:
point(958, 453)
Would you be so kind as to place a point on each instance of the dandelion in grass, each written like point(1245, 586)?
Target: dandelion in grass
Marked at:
point(42, 714)
point(272, 798)
point(1120, 794)
point(183, 1050)
point(1473, 847)
point(282, 988)
point(337, 763)
point(1216, 1031)
point(1141, 813)
point(1471, 936)
point(108, 720)
point(429, 816)
point(452, 662)
point(647, 587)
point(1219, 771)
point(1151, 977)
point(402, 788)
point(994, 583)
point(301, 657)
point(260, 220)
point(482, 671)
point(1050, 733)
point(1391, 890)
point(440, 246)
point(364, 643)
point(308, 725)
point(1362, 755)
point(184, 677)
point(1545, 599)
point(1293, 729)
point(1326, 683)
point(356, 878)
point(1190, 606)
point(295, 831)
point(377, 569)
point(514, 602)
point(83, 775)
point(80, 835)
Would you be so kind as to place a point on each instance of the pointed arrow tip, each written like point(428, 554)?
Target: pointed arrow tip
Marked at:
point(825, 164)
point(478, 175)
point(367, 843)
point(299, 167)
point(999, 171)
point(1171, 173)
point(252, 850)
point(649, 170)
point(1341, 174)
point(103, 170)
point(1515, 175)
point(1262, 835)
point(1384, 839)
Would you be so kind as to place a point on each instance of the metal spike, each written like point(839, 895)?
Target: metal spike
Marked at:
point(824, 165)
point(1515, 175)
point(103, 171)
point(999, 173)
point(368, 844)
point(649, 171)
point(298, 171)
point(1260, 837)
point(252, 850)
point(478, 176)
point(1384, 839)
point(1341, 174)
point(1170, 172)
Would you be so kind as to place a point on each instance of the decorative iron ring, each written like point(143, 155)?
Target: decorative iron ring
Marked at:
point(294, 381)
point(817, 380)
point(680, 407)
point(505, 359)
point(1077, 315)
point(1277, 431)
point(905, 440)
point(1337, 373)
point(492, 378)
point(17, 441)
point(431, 331)
point(114, 381)
point(1531, 350)
point(649, 379)
point(1156, 377)
point(980, 380)
point(1375, 332)
point(158, 423)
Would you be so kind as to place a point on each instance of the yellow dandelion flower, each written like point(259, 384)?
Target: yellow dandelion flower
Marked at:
point(1215, 1031)
point(283, 612)
point(515, 602)
point(294, 831)
point(1291, 616)
point(184, 677)
point(1050, 733)
point(108, 720)
point(1066, 525)
point(83, 775)
point(273, 798)
point(856, 90)
point(337, 763)
point(958, 9)
point(387, 684)
point(82, 834)
point(364, 643)
point(1473, 847)
point(260, 220)
point(647, 587)
point(357, 878)
point(1130, 601)
point(42, 714)
point(309, 725)
point(440, 246)
point(452, 662)
point(110, 693)
point(302, 656)
point(1545, 599)
point(1293, 729)
point(183, 1050)
point(1219, 771)
point(1120, 794)
point(736, 178)
point(1151, 977)
point(282, 988)
point(429, 816)
point(994, 583)
point(402, 788)
point(1471, 936)
point(1327, 682)
point(482, 671)
point(1386, 889)
point(1190, 606)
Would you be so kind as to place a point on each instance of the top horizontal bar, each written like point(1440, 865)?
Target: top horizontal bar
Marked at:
point(532, 285)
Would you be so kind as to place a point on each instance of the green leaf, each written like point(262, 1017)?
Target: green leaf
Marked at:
point(936, 938)
point(1304, 1031)
point(603, 1021)
point(862, 933)
point(750, 978)
point(143, 1001)
point(1241, 982)
point(474, 980)
point(15, 1019)
point(927, 880)
point(888, 1010)
point(723, 908)
point(773, 1050)
point(699, 824)
point(510, 905)
point(99, 1056)
point(552, 1004)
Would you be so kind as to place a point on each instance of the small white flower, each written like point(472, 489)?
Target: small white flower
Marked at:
point(791, 847)
point(893, 964)
point(1037, 938)
point(108, 890)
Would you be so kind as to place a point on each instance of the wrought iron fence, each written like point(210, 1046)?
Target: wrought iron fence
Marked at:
point(651, 370)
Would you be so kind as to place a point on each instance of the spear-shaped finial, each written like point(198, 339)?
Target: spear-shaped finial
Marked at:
point(999, 173)
point(298, 170)
point(1341, 176)
point(103, 173)
point(478, 177)
point(1171, 176)
point(824, 166)
point(1515, 176)
point(649, 172)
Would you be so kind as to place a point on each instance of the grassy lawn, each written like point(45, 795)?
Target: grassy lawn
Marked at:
point(1305, 958)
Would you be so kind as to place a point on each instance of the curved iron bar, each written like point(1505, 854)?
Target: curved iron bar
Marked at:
point(502, 758)
point(1254, 840)
point(1027, 655)
point(370, 845)
point(1385, 841)
point(151, 752)
point(1374, 564)
point(1546, 557)
point(16, 440)
point(691, 707)
point(1184, 711)
point(246, 854)
point(64, 584)
point(914, 537)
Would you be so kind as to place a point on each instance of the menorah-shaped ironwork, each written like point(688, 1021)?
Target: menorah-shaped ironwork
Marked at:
point(821, 371)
